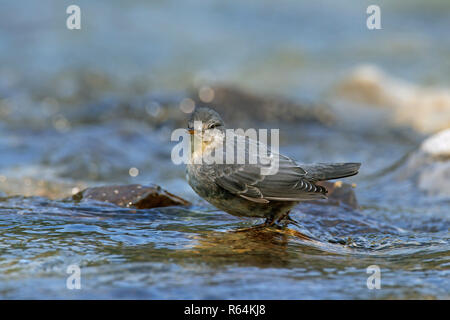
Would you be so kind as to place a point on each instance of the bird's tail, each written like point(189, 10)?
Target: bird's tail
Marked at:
point(329, 171)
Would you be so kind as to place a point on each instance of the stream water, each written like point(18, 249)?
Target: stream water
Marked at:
point(80, 108)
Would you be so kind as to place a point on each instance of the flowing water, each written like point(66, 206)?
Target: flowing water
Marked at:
point(80, 108)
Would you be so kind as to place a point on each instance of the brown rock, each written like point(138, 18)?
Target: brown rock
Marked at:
point(132, 196)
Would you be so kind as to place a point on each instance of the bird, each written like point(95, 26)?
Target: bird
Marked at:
point(241, 188)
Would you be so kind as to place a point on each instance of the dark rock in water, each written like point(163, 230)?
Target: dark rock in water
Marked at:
point(238, 107)
point(132, 196)
point(340, 192)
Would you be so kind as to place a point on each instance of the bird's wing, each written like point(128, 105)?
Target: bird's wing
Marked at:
point(289, 183)
point(328, 171)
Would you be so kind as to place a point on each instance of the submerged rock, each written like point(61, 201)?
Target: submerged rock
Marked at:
point(425, 109)
point(132, 196)
point(430, 165)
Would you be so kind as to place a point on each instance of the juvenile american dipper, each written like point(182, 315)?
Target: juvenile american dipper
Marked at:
point(243, 189)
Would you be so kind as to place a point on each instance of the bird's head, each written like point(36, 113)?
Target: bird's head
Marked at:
point(205, 126)
point(204, 121)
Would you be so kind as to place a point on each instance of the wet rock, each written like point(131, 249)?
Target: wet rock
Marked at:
point(132, 196)
point(425, 109)
point(429, 166)
point(240, 107)
point(340, 193)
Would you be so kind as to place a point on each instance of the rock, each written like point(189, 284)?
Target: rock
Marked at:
point(340, 192)
point(425, 109)
point(132, 196)
point(430, 165)
point(239, 107)
point(438, 145)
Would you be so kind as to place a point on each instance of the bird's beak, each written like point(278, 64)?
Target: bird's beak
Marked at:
point(191, 131)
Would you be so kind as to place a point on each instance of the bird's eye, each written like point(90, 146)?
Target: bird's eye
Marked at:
point(213, 125)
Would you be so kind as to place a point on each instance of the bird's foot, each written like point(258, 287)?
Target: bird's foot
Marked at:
point(288, 220)
point(268, 223)
point(285, 218)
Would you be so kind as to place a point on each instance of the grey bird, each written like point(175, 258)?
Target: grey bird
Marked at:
point(241, 189)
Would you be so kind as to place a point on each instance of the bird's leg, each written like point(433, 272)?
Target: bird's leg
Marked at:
point(285, 216)
point(269, 221)
point(288, 220)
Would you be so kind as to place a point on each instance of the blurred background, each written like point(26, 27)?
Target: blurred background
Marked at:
point(90, 104)
point(96, 106)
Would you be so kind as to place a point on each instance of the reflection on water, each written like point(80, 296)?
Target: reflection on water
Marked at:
point(79, 109)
